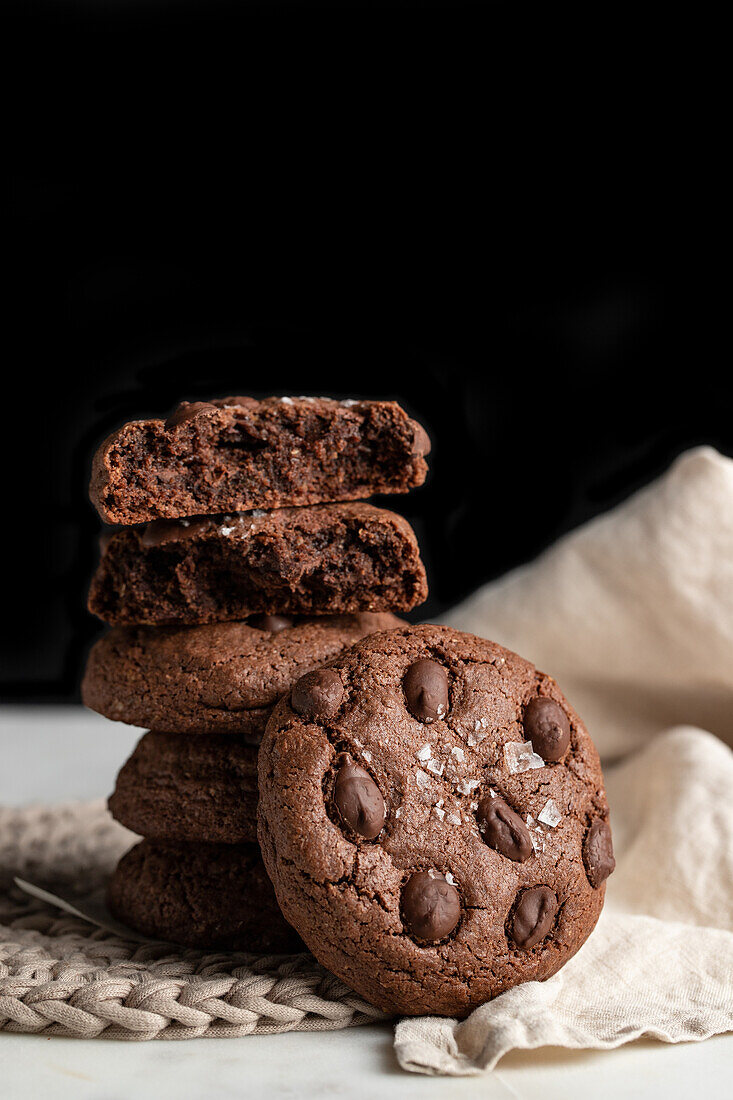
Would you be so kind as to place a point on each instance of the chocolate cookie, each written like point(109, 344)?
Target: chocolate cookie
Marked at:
point(212, 896)
point(186, 788)
point(429, 852)
point(238, 453)
point(330, 558)
point(219, 678)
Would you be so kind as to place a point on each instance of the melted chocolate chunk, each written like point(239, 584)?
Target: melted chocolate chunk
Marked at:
point(245, 402)
point(358, 800)
point(547, 726)
point(431, 907)
point(533, 916)
point(426, 690)
point(421, 441)
point(186, 411)
point(162, 531)
point(503, 829)
point(273, 624)
point(598, 853)
point(318, 695)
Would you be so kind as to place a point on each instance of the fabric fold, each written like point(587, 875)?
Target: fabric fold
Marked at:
point(633, 615)
point(660, 961)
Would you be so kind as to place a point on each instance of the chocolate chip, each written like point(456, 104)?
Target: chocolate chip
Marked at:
point(547, 726)
point(318, 695)
point(245, 402)
point(161, 531)
point(420, 441)
point(358, 800)
point(272, 623)
point(533, 916)
point(598, 852)
point(187, 410)
point(426, 690)
point(431, 907)
point(503, 829)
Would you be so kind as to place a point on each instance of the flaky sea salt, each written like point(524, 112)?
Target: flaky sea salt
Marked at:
point(465, 786)
point(449, 878)
point(422, 779)
point(225, 531)
point(454, 819)
point(435, 767)
point(439, 812)
point(459, 754)
point(530, 820)
point(367, 756)
point(549, 814)
point(520, 757)
point(538, 842)
point(286, 400)
point(480, 731)
point(349, 401)
point(424, 753)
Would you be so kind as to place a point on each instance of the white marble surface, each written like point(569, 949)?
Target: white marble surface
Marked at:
point(64, 754)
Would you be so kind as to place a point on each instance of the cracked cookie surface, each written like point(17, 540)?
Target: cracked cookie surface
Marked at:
point(376, 821)
point(200, 895)
point(216, 678)
point(180, 787)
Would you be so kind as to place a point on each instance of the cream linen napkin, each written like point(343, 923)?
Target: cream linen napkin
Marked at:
point(633, 614)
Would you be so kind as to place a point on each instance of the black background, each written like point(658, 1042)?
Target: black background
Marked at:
point(506, 222)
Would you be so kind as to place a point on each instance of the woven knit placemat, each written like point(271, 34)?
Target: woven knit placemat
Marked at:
point(60, 975)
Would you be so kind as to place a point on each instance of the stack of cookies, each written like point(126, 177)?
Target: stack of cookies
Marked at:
point(236, 565)
point(430, 809)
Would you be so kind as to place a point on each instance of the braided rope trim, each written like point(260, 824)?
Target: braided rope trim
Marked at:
point(61, 976)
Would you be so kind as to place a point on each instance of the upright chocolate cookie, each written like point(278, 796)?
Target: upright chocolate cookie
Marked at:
point(219, 678)
point(329, 558)
point(212, 896)
point(238, 453)
point(182, 787)
point(428, 852)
